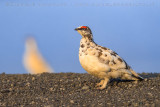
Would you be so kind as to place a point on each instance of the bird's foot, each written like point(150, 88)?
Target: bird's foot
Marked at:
point(100, 84)
point(101, 88)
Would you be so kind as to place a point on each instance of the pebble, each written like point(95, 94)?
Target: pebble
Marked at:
point(85, 87)
point(71, 101)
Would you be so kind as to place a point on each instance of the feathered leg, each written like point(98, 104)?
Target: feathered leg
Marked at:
point(106, 80)
point(100, 84)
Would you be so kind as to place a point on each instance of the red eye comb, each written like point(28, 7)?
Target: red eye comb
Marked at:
point(84, 27)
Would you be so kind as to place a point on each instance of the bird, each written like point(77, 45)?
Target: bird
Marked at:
point(33, 60)
point(102, 62)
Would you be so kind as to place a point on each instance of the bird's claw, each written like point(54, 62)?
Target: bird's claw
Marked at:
point(101, 88)
point(98, 85)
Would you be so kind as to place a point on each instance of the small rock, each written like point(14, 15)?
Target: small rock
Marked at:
point(51, 89)
point(145, 79)
point(32, 102)
point(33, 78)
point(27, 84)
point(130, 85)
point(149, 94)
point(71, 101)
point(85, 87)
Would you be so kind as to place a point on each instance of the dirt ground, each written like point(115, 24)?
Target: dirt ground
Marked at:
point(73, 89)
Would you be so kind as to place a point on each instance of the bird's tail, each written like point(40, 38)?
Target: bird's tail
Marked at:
point(134, 74)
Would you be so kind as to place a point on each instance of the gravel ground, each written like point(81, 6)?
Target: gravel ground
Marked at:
point(73, 89)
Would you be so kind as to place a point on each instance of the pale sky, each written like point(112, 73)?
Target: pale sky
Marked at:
point(129, 27)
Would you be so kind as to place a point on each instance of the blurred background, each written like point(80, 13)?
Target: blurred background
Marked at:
point(129, 27)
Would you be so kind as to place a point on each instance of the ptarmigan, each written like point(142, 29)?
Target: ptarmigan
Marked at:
point(102, 62)
point(33, 60)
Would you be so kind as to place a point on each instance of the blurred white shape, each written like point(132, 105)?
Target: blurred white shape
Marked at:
point(33, 60)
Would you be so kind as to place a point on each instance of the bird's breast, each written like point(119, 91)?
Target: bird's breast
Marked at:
point(92, 64)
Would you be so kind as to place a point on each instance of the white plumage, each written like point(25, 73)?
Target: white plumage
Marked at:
point(102, 62)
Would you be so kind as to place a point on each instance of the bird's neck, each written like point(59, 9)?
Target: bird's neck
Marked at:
point(87, 41)
point(88, 37)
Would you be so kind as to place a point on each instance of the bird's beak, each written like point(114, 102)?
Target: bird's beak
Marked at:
point(77, 29)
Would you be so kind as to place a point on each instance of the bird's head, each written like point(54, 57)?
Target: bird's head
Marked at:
point(31, 43)
point(85, 31)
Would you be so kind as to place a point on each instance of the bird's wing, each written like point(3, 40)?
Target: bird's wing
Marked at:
point(117, 62)
point(114, 61)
